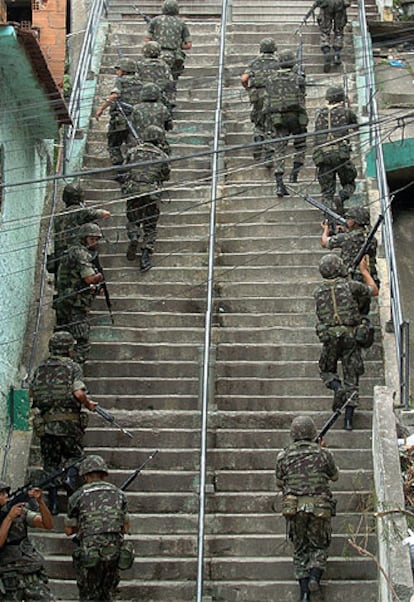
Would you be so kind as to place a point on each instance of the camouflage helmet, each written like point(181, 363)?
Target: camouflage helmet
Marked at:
point(303, 427)
point(89, 229)
point(61, 342)
point(153, 133)
point(72, 195)
point(335, 94)
point(151, 49)
point(150, 92)
point(126, 65)
point(267, 46)
point(4, 486)
point(360, 215)
point(170, 7)
point(287, 58)
point(331, 266)
point(93, 464)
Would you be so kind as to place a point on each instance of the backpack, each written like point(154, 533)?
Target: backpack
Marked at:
point(283, 93)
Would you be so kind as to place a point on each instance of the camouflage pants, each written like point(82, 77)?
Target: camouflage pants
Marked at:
point(97, 582)
point(282, 126)
point(257, 116)
point(311, 537)
point(143, 212)
point(16, 587)
point(328, 20)
point(343, 348)
point(335, 165)
point(57, 449)
point(116, 138)
point(175, 60)
point(75, 319)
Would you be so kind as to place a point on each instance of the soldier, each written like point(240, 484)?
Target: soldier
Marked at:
point(332, 15)
point(351, 241)
point(77, 285)
point(22, 574)
point(285, 115)
point(66, 224)
point(332, 152)
point(152, 69)
point(254, 80)
point(127, 89)
point(97, 514)
point(303, 472)
point(142, 185)
point(173, 35)
point(58, 394)
point(342, 306)
point(150, 111)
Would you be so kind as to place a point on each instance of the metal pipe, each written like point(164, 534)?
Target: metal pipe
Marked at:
point(209, 309)
point(387, 231)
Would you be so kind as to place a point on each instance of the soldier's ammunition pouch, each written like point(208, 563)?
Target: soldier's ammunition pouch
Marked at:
point(333, 503)
point(126, 556)
point(88, 558)
point(289, 506)
point(83, 420)
point(303, 118)
point(10, 582)
point(322, 331)
point(364, 333)
point(38, 425)
point(316, 505)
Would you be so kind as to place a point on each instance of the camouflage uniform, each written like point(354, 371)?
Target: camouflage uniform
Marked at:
point(150, 111)
point(171, 33)
point(98, 510)
point(341, 305)
point(258, 70)
point(352, 241)
point(332, 153)
point(22, 574)
point(66, 224)
point(151, 69)
point(303, 472)
point(128, 88)
point(74, 297)
point(144, 181)
point(285, 115)
point(332, 15)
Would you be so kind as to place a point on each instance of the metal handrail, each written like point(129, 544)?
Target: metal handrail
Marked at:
point(84, 62)
point(209, 309)
point(400, 325)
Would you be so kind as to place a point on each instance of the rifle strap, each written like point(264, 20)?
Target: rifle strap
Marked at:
point(336, 315)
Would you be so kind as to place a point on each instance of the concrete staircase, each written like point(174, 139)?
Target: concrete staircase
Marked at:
point(146, 368)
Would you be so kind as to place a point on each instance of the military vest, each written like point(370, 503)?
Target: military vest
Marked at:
point(18, 553)
point(335, 304)
point(260, 70)
point(131, 87)
point(152, 70)
point(150, 113)
point(72, 290)
point(101, 509)
point(283, 92)
point(305, 469)
point(52, 385)
point(331, 117)
point(167, 31)
point(152, 173)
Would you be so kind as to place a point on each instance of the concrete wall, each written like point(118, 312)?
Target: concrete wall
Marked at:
point(385, 9)
point(24, 159)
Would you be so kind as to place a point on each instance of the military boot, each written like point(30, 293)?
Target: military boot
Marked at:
point(349, 415)
point(132, 249)
point(258, 149)
point(337, 56)
point(327, 62)
point(295, 172)
point(304, 589)
point(315, 584)
point(145, 260)
point(53, 502)
point(280, 187)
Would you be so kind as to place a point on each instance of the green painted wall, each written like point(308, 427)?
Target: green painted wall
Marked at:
point(397, 155)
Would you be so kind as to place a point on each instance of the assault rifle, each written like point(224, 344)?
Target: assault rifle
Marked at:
point(331, 421)
point(102, 285)
point(121, 106)
point(136, 472)
point(329, 213)
point(299, 55)
point(111, 419)
point(364, 249)
point(345, 86)
point(146, 18)
point(21, 495)
point(310, 12)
